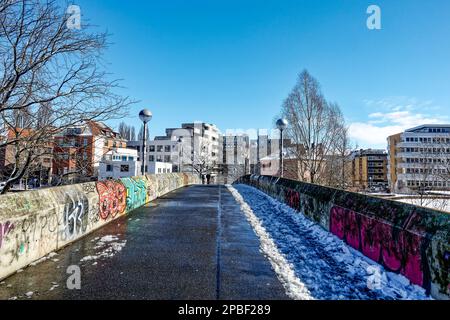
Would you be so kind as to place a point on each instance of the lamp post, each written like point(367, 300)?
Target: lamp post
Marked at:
point(145, 115)
point(180, 160)
point(281, 125)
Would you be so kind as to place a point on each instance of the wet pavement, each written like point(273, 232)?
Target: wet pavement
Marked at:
point(193, 243)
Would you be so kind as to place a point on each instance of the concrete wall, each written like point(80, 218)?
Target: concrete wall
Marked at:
point(410, 240)
point(35, 223)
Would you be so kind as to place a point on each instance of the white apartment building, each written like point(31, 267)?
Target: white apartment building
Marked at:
point(159, 167)
point(200, 145)
point(119, 163)
point(419, 159)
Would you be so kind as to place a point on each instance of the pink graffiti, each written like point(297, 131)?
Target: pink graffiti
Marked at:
point(5, 228)
point(293, 199)
point(396, 249)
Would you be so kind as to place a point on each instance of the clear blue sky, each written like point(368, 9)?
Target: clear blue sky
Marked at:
point(232, 62)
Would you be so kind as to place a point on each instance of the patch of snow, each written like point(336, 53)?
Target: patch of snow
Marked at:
point(107, 247)
point(328, 267)
point(29, 294)
point(294, 287)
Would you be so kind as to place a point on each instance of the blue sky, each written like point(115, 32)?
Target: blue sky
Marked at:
point(232, 63)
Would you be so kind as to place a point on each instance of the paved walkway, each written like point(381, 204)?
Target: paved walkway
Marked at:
point(193, 243)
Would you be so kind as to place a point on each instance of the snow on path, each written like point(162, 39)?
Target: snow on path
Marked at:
point(328, 268)
point(284, 270)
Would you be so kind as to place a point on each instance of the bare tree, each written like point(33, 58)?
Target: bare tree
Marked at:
point(127, 131)
point(313, 127)
point(202, 162)
point(50, 79)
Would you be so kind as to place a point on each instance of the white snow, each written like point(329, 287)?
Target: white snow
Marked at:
point(285, 272)
point(107, 247)
point(313, 259)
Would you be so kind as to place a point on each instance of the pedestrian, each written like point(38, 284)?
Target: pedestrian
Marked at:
point(208, 178)
point(203, 179)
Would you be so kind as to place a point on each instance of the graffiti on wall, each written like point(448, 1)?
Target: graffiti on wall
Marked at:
point(5, 228)
point(397, 249)
point(76, 211)
point(136, 192)
point(112, 198)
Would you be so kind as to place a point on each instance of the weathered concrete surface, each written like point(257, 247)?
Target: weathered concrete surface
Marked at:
point(406, 239)
point(193, 243)
point(35, 223)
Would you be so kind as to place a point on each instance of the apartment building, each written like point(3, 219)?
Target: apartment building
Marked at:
point(419, 159)
point(369, 168)
point(119, 163)
point(234, 157)
point(39, 171)
point(79, 149)
point(198, 151)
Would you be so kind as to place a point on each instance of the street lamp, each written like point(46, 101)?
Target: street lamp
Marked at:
point(281, 125)
point(145, 115)
point(180, 141)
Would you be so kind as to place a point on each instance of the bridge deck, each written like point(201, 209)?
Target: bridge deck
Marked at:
point(193, 243)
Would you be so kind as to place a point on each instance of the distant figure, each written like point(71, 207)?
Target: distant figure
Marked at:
point(208, 178)
point(203, 179)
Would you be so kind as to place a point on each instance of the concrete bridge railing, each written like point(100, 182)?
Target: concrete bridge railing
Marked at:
point(35, 223)
point(407, 239)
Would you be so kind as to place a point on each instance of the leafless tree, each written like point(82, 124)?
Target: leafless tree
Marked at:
point(313, 127)
point(127, 131)
point(51, 77)
point(202, 162)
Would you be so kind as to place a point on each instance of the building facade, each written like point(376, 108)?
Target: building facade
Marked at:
point(119, 163)
point(78, 151)
point(234, 157)
point(419, 159)
point(369, 169)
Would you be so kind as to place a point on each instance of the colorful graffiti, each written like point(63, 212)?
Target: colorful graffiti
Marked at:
point(33, 224)
point(136, 192)
point(5, 228)
point(112, 198)
point(398, 250)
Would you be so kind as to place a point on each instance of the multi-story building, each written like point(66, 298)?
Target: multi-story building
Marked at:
point(419, 159)
point(369, 168)
point(39, 170)
point(119, 163)
point(158, 150)
point(198, 152)
point(79, 150)
point(234, 157)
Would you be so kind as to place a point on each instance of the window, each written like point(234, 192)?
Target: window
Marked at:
point(124, 168)
point(167, 148)
point(109, 168)
point(166, 158)
point(85, 141)
point(159, 148)
point(151, 148)
point(159, 170)
point(124, 158)
point(131, 158)
point(151, 158)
